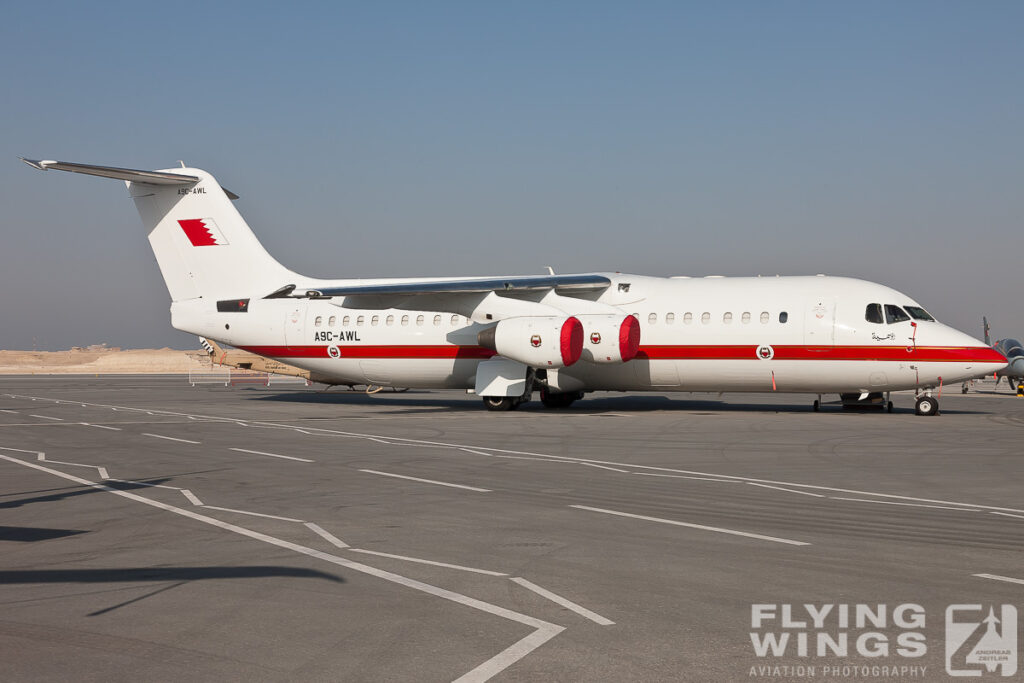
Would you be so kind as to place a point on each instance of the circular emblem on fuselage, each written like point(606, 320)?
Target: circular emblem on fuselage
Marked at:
point(765, 352)
point(535, 341)
point(595, 337)
point(333, 352)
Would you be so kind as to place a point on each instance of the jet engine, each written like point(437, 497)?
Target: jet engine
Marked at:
point(537, 341)
point(610, 338)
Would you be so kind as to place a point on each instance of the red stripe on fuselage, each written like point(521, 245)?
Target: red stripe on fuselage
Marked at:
point(935, 354)
point(939, 354)
point(373, 351)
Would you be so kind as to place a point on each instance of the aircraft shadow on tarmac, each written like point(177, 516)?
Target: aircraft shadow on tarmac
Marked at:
point(73, 491)
point(425, 402)
point(32, 534)
point(176, 576)
point(132, 574)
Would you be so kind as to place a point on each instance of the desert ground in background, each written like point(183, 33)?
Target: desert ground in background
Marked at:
point(103, 361)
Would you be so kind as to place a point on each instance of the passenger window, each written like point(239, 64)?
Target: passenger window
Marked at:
point(437, 319)
point(670, 318)
point(764, 317)
point(727, 318)
point(319, 321)
point(390, 320)
point(687, 318)
point(746, 317)
point(360, 320)
point(455, 320)
point(346, 320)
point(419, 320)
point(783, 317)
point(652, 318)
point(895, 314)
point(332, 320)
point(374, 320)
point(705, 318)
point(405, 320)
point(873, 314)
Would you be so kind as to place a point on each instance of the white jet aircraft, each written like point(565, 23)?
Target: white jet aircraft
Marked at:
point(564, 335)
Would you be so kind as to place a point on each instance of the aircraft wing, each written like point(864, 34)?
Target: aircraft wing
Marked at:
point(515, 283)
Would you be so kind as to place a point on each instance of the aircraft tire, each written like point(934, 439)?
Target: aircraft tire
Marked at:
point(926, 405)
point(817, 405)
point(888, 406)
point(500, 403)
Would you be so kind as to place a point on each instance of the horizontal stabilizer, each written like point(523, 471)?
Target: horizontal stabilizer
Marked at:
point(131, 175)
point(515, 283)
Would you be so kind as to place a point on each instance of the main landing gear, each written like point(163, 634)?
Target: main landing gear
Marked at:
point(501, 403)
point(872, 401)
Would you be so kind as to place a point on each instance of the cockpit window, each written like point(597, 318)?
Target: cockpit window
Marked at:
point(1013, 348)
point(918, 313)
point(895, 314)
point(873, 314)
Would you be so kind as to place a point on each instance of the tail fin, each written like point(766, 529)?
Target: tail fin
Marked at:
point(202, 244)
point(984, 322)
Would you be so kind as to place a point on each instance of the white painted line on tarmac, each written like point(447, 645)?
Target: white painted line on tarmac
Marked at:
point(559, 600)
point(42, 458)
point(779, 488)
point(419, 560)
point(684, 476)
point(428, 481)
point(604, 467)
point(1007, 514)
point(493, 452)
point(271, 455)
point(89, 424)
point(916, 505)
point(997, 577)
point(47, 417)
point(169, 438)
point(191, 497)
point(542, 633)
point(702, 527)
point(331, 538)
point(13, 412)
point(254, 514)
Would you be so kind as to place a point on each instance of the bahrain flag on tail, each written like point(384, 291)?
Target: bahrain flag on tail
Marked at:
point(202, 232)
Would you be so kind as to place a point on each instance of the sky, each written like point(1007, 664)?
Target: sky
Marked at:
point(880, 140)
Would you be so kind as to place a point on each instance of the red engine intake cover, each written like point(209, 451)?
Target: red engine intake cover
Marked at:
point(572, 340)
point(629, 338)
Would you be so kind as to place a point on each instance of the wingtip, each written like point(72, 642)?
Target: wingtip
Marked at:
point(38, 165)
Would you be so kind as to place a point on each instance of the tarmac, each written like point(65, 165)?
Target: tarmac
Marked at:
point(150, 530)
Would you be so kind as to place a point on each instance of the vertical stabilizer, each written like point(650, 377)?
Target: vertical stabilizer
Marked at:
point(204, 248)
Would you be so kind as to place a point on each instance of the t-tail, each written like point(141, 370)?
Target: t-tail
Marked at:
point(984, 322)
point(202, 244)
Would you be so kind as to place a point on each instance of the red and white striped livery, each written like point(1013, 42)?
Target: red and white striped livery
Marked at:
point(561, 335)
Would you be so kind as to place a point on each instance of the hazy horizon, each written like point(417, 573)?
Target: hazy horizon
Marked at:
point(878, 140)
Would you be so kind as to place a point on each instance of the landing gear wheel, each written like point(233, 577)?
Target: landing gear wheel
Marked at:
point(888, 406)
point(500, 403)
point(551, 400)
point(817, 405)
point(926, 405)
point(963, 389)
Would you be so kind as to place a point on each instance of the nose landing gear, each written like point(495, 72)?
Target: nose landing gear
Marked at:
point(926, 405)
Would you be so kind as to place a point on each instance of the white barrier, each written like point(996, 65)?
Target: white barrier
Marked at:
point(207, 377)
